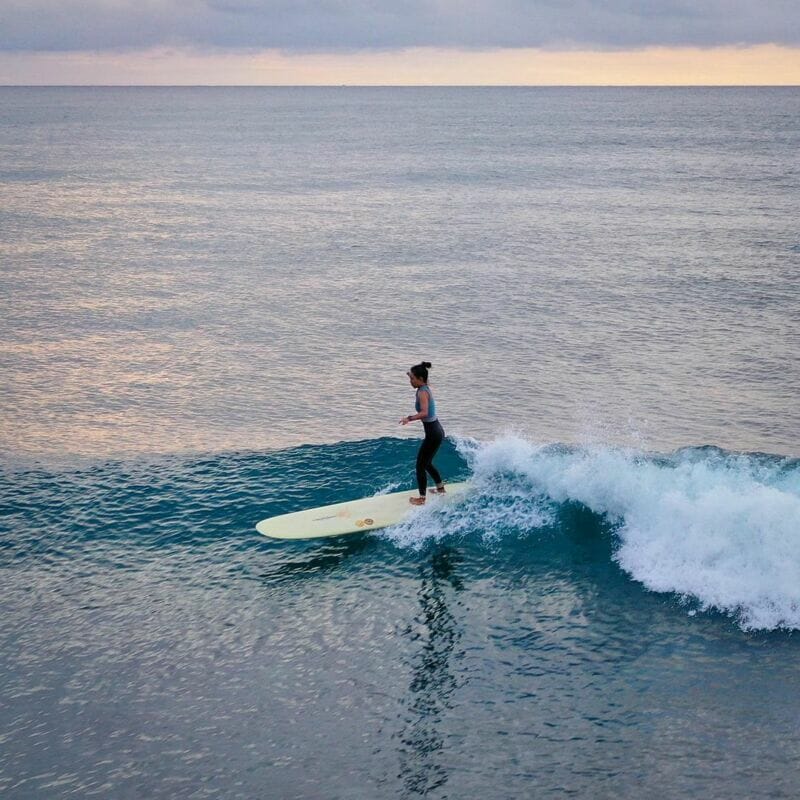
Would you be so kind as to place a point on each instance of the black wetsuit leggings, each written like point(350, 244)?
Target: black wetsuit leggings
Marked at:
point(434, 434)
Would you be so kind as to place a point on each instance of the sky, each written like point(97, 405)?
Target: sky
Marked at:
point(407, 42)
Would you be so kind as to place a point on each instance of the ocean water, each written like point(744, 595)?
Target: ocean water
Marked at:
point(208, 302)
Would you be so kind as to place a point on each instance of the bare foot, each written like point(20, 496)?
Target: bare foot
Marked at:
point(416, 501)
point(439, 490)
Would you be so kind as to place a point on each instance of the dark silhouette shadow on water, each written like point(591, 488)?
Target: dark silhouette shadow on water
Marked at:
point(308, 559)
point(436, 633)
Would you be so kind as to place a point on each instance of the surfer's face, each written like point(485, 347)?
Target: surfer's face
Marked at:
point(414, 380)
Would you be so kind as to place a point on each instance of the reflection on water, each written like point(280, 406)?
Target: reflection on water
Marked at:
point(434, 680)
point(154, 645)
point(199, 270)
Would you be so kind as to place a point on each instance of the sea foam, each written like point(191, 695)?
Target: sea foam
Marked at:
point(718, 529)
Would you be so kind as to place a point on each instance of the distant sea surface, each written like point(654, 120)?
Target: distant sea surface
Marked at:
point(208, 302)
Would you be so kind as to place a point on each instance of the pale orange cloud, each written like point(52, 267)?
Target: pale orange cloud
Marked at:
point(766, 65)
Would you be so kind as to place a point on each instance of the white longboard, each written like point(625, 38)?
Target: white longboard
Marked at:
point(368, 514)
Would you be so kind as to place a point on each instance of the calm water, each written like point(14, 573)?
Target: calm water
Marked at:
point(209, 301)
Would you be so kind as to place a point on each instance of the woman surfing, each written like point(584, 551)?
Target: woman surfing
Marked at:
point(434, 433)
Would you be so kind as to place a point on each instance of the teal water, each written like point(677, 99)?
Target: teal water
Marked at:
point(209, 302)
point(153, 645)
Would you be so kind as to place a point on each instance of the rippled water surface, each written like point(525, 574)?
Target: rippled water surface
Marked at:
point(153, 645)
point(209, 301)
point(206, 269)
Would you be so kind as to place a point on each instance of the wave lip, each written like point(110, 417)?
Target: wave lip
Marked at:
point(719, 529)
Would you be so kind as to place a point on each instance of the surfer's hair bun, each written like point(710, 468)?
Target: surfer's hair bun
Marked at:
point(421, 370)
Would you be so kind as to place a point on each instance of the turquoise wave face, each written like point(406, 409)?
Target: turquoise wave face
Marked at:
point(582, 613)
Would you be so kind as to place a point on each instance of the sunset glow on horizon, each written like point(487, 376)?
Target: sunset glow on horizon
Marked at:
point(766, 65)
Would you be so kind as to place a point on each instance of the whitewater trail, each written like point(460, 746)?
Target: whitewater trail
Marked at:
point(718, 529)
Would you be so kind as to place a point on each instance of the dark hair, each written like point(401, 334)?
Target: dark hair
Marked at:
point(421, 370)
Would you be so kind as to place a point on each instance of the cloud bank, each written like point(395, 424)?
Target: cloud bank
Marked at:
point(373, 25)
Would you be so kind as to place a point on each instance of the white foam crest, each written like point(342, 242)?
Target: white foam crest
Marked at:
point(723, 530)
